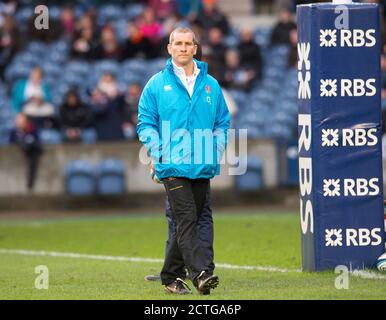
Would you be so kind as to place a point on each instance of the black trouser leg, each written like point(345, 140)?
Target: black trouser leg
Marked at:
point(186, 198)
point(204, 229)
point(32, 156)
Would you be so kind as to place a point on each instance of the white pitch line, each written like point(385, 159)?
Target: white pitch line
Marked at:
point(357, 273)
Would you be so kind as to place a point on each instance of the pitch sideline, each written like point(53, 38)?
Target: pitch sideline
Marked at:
point(358, 273)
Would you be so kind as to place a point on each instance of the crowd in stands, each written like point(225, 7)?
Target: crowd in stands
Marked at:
point(85, 74)
point(235, 59)
point(107, 107)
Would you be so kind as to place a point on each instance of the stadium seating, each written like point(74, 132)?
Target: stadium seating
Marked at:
point(111, 177)
point(79, 177)
point(292, 165)
point(50, 136)
point(89, 136)
point(267, 111)
point(252, 180)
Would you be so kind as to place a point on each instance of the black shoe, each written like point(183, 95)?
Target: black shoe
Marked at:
point(178, 287)
point(204, 283)
point(153, 277)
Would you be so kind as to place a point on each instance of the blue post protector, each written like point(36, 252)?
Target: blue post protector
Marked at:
point(339, 131)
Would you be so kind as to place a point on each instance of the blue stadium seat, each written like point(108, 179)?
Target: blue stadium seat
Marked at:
point(50, 136)
point(120, 27)
point(111, 177)
point(109, 13)
point(51, 69)
point(55, 13)
point(252, 180)
point(263, 37)
point(58, 93)
point(277, 130)
point(79, 177)
point(292, 177)
point(36, 48)
point(5, 129)
point(103, 66)
point(27, 58)
point(137, 66)
point(61, 46)
point(240, 97)
point(231, 41)
point(279, 51)
point(56, 57)
point(133, 10)
point(89, 136)
point(15, 72)
point(72, 79)
point(284, 118)
point(22, 15)
point(81, 68)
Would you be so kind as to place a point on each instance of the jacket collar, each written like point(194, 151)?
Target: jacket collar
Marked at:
point(203, 66)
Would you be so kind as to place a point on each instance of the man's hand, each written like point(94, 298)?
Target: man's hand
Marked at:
point(153, 174)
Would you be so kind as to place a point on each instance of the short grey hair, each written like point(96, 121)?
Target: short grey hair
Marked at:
point(182, 30)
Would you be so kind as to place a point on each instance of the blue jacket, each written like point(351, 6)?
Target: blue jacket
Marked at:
point(186, 136)
point(18, 98)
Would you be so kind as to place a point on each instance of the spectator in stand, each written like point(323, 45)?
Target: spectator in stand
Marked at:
point(67, 20)
point(9, 42)
point(106, 104)
point(293, 53)
point(163, 8)
point(215, 68)
point(29, 88)
point(85, 22)
point(188, 8)
point(41, 113)
point(216, 43)
point(26, 136)
point(238, 76)
point(83, 45)
point(7, 8)
point(137, 45)
point(109, 47)
point(281, 32)
point(130, 111)
point(250, 54)
point(149, 25)
point(74, 116)
point(211, 17)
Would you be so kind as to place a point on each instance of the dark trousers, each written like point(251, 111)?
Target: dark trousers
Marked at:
point(32, 154)
point(204, 230)
point(187, 198)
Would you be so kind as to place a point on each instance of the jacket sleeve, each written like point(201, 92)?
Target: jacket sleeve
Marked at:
point(148, 123)
point(18, 96)
point(221, 126)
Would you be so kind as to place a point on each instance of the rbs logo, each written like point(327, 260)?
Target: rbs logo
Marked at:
point(361, 237)
point(305, 174)
point(348, 38)
point(304, 91)
point(349, 137)
point(348, 87)
point(351, 187)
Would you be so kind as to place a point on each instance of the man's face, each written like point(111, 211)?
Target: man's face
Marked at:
point(182, 49)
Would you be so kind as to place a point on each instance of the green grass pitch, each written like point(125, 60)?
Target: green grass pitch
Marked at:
point(244, 239)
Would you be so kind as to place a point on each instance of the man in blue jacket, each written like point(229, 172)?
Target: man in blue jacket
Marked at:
point(183, 121)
